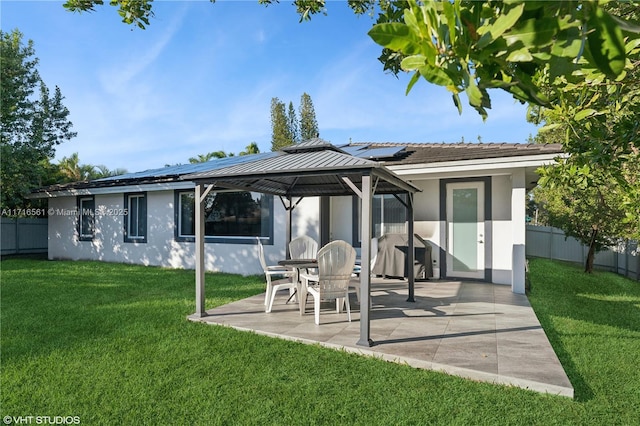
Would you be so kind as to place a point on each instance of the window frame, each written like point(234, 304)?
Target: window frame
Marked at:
point(226, 239)
point(141, 199)
point(81, 215)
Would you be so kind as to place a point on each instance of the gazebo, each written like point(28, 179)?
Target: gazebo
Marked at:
point(308, 169)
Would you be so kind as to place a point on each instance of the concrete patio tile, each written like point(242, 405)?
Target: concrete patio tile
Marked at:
point(474, 330)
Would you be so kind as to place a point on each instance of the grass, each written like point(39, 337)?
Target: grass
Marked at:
point(110, 343)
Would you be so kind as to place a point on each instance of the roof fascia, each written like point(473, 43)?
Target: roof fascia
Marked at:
point(166, 186)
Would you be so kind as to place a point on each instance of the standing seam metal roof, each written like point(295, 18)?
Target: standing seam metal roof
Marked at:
point(316, 169)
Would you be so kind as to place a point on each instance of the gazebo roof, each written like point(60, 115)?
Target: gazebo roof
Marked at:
point(311, 168)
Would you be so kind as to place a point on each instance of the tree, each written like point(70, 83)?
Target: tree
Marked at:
point(280, 129)
point(286, 129)
point(293, 123)
point(596, 121)
point(102, 171)
point(31, 126)
point(593, 212)
point(70, 170)
point(308, 122)
point(203, 158)
point(252, 148)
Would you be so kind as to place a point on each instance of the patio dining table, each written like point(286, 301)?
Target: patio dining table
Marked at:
point(297, 265)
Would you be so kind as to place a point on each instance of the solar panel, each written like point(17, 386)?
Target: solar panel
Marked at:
point(183, 169)
point(381, 153)
point(354, 149)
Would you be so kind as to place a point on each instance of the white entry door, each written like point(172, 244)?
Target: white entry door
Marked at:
point(465, 230)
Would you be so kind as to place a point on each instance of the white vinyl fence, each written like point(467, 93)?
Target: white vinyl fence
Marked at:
point(550, 243)
point(23, 235)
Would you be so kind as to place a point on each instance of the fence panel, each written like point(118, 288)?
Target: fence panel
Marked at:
point(23, 235)
point(550, 243)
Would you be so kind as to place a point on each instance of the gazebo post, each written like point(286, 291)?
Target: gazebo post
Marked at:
point(201, 193)
point(287, 231)
point(365, 261)
point(410, 249)
point(199, 247)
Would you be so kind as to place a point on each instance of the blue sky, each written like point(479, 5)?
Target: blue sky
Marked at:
point(201, 78)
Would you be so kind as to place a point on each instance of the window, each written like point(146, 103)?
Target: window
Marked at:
point(228, 216)
point(86, 218)
point(389, 215)
point(135, 221)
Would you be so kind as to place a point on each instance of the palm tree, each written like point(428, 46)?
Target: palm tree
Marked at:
point(102, 171)
point(202, 158)
point(252, 148)
point(73, 171)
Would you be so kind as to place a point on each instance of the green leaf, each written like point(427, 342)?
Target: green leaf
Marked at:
point(568, 45)
point(584, 114)
point(436, 75)
point(520, 55)
point(413, 62)
point(627, 26)
point(474, 94)
point(533, 32)
point(632, 45)
point(503, 23)
point(456, 102)
point(606, 44)
point(450, 16)
point(414, 79)
point(395, 36)
point(549, 127)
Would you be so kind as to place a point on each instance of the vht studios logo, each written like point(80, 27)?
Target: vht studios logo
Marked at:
point(41, 420)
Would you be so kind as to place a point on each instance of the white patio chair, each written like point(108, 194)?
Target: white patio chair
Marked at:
point(303, 247)
point(273, 286)
point(335, 266)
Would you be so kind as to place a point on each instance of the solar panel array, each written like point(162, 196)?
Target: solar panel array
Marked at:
point(185, 169)
point(360, 151)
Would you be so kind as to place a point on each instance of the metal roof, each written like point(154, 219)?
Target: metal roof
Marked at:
point(160, 175)
point(356, 156)
point(307, 169)
point(182, 169)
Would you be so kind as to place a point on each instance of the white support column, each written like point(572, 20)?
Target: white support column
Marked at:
point(199, 247)
point(365, 261)
point(518, 214)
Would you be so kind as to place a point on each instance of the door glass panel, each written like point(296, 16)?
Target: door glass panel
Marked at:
point(465, 225)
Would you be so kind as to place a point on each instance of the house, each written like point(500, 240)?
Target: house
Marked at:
point(468, 203)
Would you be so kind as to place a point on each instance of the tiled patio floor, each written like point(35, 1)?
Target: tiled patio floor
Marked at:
point(475, 330)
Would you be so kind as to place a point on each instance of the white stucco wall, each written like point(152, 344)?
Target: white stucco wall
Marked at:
point(306, 218)
point(161, 248)
point(502, 238)
point(426, 218)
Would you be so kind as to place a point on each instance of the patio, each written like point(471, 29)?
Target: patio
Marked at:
point(474, 330)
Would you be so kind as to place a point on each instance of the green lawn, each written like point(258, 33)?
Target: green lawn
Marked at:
point(110, 343)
